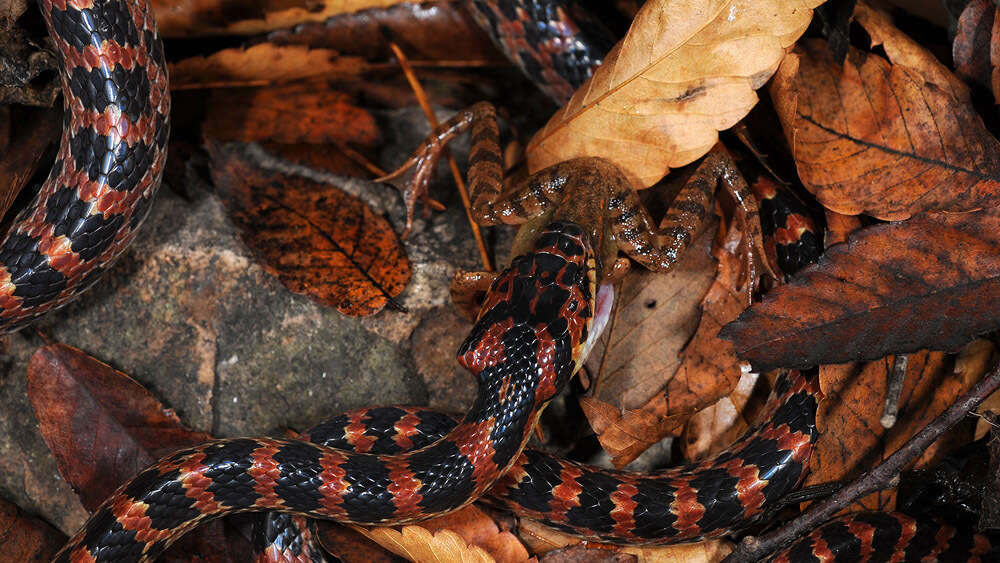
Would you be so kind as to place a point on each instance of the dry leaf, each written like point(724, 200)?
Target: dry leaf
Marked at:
point(542, 539)
point(716, 427)
point(304, 112)
point(684, 71)
point(893, 288)
point(101, 425)
point(973, 40)
point(852, 440)
point(654, 317)
point(260, 65)
point(889, 140)
point(421, 546)
point(433, 31)
point(192, 18)
point(23, 142)
point(313, 237)
point(26, 539)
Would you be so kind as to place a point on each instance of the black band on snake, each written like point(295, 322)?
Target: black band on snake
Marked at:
point(531, 335)
point(110, 158)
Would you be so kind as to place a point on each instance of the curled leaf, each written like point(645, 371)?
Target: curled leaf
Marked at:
point(313, 237)
point(261, 64)
point(684, 72)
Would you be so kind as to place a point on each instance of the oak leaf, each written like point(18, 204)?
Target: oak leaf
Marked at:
point(893, 288)
point(315, 238)
point(684, 72)
point(890, 138)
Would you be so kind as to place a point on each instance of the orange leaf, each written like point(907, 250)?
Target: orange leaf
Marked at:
point(313, 237)
point(684, 71)
point(886, 139)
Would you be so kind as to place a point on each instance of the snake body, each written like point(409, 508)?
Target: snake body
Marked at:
point(110, 158)
point(529, 339)
point(392, 465)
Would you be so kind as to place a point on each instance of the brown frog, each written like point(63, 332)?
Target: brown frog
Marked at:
point(589, 191)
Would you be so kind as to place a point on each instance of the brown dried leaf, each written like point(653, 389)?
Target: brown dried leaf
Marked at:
point(438, 31)
point(892, 288)
point(478, 528)
point(350, 545)
point(852, 439)
point(973, 40)
point(889, 140)
point(101, 425)
point(23, 142)
point(303, 112)
point(655, 315)
point(263, 64)
point(422, 545)
point(716, 427)
point(193, 18)
point(544, 540)
point(24, 538)
point(315, 238)
point(708, 370)
point(684, 71)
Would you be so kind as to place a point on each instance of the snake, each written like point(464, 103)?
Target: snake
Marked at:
point(109, 163)
point(537, 323)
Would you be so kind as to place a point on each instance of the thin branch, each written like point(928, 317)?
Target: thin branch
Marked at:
point(755, 548)
point(426, 106)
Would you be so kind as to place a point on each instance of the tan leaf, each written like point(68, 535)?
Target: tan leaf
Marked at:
point(191, 18)
point(885, 138)
point(542, 539)
point(420, 545)
point(708, 370)
point(260, 65)
point(684, 71)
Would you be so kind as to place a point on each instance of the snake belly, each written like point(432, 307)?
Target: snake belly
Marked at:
point(110, 159)
point(529, 339)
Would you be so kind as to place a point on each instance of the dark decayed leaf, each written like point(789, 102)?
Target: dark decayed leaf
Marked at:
point(24, 538)
point(101, 425)
point(973, 36)
point(304, 112)
point(24, 137)
point(930, 282)
point(315, 238)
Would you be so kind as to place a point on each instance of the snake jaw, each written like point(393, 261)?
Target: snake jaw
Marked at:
point(602, 314)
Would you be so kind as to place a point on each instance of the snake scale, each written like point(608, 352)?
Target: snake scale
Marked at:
point(531, 335)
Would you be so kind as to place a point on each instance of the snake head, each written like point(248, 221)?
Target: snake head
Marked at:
point(534, 325)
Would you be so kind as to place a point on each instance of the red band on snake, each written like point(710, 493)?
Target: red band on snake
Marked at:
point(110, 158)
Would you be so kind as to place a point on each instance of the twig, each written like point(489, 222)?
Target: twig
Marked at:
point(426, 106)
point(894, 388)
point(755, 548)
